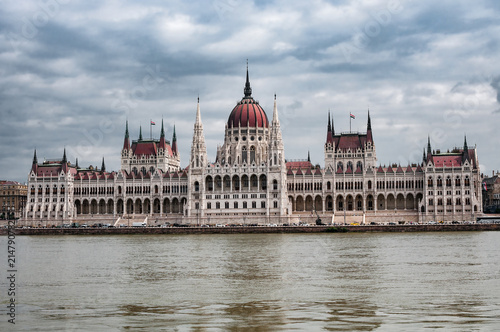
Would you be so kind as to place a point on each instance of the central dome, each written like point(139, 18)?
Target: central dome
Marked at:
point(247, 113)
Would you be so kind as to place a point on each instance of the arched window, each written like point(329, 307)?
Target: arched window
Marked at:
point(429, 182)
point(369, 184)
point(196, 186)
point(252, 154)
point(244, 155)
point(328, 185)
point(275, 185)
point(359, 165)
point(340, 165)
point(349, 165)
point(448, 181)
point(439, 182)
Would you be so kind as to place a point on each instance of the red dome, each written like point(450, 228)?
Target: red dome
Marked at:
point(247, 113)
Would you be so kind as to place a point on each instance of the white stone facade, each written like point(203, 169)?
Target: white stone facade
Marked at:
point(251, 183)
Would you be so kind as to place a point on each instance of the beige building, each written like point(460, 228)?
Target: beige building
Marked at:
point(250, 181)
point(12, 199)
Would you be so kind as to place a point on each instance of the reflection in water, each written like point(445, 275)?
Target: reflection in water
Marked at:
point(259, 282)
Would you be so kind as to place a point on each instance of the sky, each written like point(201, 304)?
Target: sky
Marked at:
point(73, 72)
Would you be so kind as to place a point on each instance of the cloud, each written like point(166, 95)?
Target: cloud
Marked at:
point(75, 78)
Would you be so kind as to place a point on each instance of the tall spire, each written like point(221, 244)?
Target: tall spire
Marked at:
point(248, 89)
point(466, 150)
point(369, 129)
point(275, 111)
point(35, 159)
point(329, 134)
point(198, 147)
point(329, 123)
point(333, 127)
point(429, 149)
point(174, 142)
point(64, 160)
point(308, 156)
point(140, 133)
point(126, 142)
point(162, 145)
point(103, 167)
point(76, 166)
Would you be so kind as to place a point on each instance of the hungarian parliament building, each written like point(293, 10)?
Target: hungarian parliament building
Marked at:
point(251, 182)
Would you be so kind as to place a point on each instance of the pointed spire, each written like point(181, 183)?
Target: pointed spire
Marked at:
point(103, 167)
point(248, 90)
point(162, 132)
point(275, 111)
point(466, 149)
point(126, 142)
point(329, 123)
point(35, 159)
point(329, 134)
point(369, 128)
point(76, 166)
point(174, 142)
point(198, 115)
point(429, 149)
point(64, 160)
point(423, 156)
point(140, 133)
point(308, 156)
point(333, 127)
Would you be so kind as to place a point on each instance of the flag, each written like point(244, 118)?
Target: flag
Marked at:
point(352, 116)
point(484, 186)
point(153, 124)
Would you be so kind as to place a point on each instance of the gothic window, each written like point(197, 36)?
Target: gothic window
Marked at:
point(275, 204)
point(196, 186)
point(134, 170)
point(429, 182)
point(254, 205)
point(244, 205)
point(235, 205)
point(369, 184)
point(359, 165)
point(439, 182)
point(252, 154)
point(209, 206)
point(263, 204)
point(467, 181)
point(217, 205)
point(349, 164)
point(457, 181)
point(448, 181)
point(275, 185)
point(340, 165)
point(151, 169)
point(244, 155)
point(226, 205)
point(328, 185)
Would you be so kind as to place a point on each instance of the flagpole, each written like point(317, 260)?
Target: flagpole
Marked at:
point(150, 129)
point(350, 119)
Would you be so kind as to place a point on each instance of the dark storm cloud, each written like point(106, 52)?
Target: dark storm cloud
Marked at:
point(81, 73)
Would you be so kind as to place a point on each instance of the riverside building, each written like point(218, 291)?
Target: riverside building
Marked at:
point(251, 182)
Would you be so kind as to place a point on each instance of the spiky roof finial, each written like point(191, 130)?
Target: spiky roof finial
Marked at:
point(140, 133)
point(369, 126)
point(308, 156)
point(329, 123)
point(35, 159)
point(64, 160)
point(126, 129)
point(103, 167)
point(162, 132)
point(248, 90)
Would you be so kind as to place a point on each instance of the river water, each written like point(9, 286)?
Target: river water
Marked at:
point(256, 282)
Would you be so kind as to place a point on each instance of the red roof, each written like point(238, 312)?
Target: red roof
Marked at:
point(298, 164)
point(247, 113)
